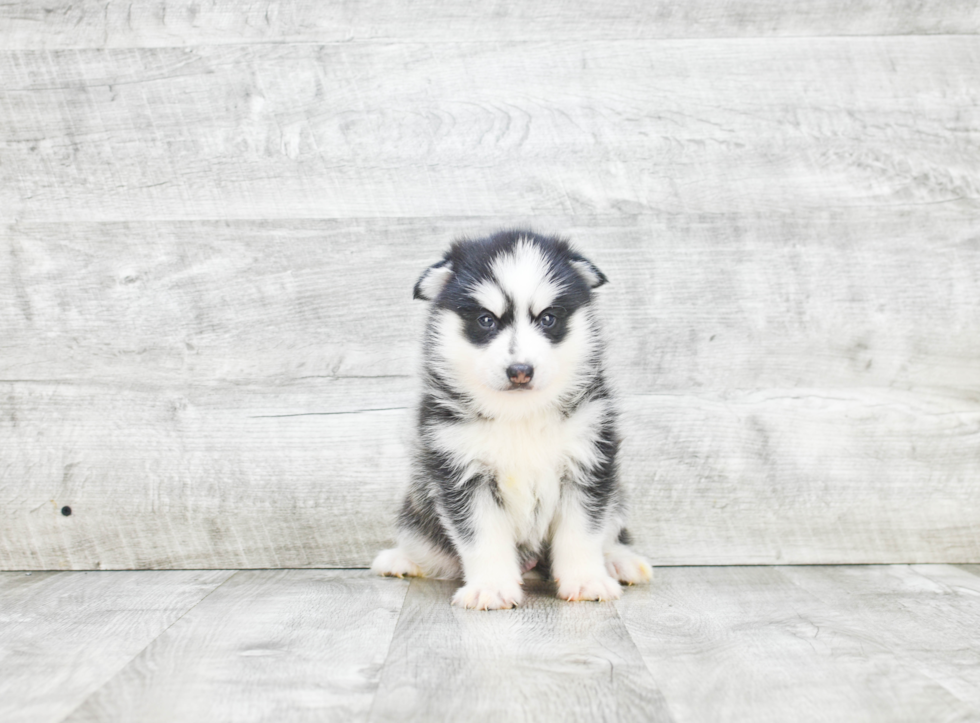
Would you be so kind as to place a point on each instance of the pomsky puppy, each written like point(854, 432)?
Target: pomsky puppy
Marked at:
point(515, 462)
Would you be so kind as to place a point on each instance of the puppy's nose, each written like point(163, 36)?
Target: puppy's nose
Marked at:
point(520, 373)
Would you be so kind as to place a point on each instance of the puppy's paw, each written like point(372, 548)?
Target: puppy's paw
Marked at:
point(395, 563)
point(489, 595)
point(597, 587)
point(628, 567)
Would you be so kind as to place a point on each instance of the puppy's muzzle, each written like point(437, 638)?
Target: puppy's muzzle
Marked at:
point(520, 374)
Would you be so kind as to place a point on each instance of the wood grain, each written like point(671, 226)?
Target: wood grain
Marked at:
point(548, 659)
point(293, 645)
point(718, 302)
point(479, 129)
point(63, 635)
point(749, 644)
point(185, 22)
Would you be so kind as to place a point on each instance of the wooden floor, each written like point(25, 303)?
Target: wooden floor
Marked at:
point(833, 643)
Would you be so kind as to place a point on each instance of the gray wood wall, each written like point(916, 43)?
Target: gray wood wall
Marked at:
point(212, 215)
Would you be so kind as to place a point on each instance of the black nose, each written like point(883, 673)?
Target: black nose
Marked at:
point(520, 373)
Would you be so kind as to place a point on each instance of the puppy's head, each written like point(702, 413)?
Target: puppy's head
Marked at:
point(511, 326)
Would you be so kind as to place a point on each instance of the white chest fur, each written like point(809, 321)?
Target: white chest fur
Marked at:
point(528, 457)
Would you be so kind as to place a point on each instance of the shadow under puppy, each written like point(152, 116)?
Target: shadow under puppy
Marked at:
point(515, 463)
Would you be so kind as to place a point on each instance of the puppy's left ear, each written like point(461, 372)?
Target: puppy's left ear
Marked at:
point(588, 271)
point(433, 280)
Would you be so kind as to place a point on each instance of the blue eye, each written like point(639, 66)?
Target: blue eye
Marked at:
point(486, 321)
point(547, 320)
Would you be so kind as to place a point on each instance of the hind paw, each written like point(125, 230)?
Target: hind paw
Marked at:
point(395, 563)
point(628, 567)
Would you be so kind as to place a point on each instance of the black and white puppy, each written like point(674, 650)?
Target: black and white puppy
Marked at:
point(516, 449)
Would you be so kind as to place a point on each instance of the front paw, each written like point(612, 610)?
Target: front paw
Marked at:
point(599, 586)
point(489, 595)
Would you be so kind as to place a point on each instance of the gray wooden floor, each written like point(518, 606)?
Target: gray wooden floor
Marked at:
point(834, 643)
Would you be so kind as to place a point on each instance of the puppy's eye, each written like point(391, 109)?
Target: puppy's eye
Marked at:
point(547, 320)
point(486, 321)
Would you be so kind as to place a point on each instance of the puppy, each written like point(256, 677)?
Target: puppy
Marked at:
point(515, 463)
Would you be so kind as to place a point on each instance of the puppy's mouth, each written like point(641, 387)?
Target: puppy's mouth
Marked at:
point(526, 387)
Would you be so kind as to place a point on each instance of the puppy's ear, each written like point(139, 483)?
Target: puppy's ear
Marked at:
point(588, 271)
point(433, 280)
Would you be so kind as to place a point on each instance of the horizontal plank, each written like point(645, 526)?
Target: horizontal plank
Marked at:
point(185, 22)
point(714, 302)
point(483, 129)
point(63, 635)
point(238, 477)
point(807, 644)
point(546, 660)
point(287, 645)
point(182, 479)
point(804, 476)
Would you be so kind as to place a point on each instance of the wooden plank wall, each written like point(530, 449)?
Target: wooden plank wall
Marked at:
point(211, 218)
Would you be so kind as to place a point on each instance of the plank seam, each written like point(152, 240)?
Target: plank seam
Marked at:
point(639, 654)
point(385, 41)
point(391, 642)
point(327, 414)
point(969, 567)
point(141, 650)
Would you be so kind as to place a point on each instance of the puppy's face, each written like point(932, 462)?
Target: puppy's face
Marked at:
point(511, 325)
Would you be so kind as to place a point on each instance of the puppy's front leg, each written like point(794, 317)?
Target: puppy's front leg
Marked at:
point(486, 547)
point(577, 561)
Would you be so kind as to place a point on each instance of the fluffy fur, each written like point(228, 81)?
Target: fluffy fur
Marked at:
point(515, 465)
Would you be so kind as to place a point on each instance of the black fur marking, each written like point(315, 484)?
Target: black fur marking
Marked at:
point(419, 515)
point(437, 479)
point(472, 263)
point(457, 503)
point(434, 409)
point(471, 312)
point(603, 478)
point(625, 538)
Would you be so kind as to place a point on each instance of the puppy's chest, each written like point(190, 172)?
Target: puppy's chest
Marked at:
point(528, 459)
point(522, 454)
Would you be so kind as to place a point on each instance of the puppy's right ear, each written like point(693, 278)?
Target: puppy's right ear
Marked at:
point(433, 280)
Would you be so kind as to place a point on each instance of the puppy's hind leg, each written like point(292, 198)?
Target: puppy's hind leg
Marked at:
point(625, 565)
point(415, 557)
point(395, 562)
